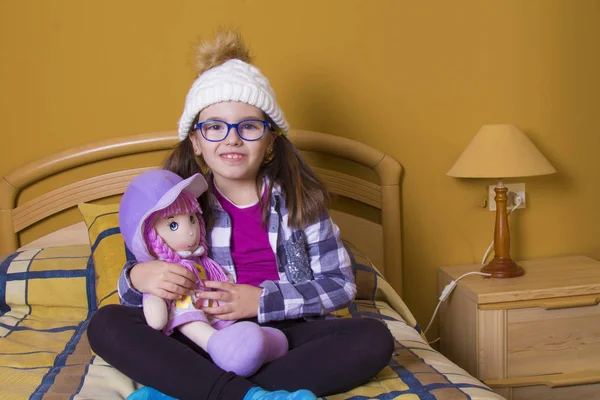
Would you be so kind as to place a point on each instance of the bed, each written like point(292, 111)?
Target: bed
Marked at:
point(61, 253)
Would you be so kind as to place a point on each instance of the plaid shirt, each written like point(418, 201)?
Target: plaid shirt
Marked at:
point(315, 272)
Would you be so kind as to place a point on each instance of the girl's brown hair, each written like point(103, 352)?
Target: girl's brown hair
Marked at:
point(305, 195)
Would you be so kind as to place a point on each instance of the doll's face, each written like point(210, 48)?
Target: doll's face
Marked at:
point(180, 232)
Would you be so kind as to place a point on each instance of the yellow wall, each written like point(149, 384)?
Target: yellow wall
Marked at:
point(415, 79)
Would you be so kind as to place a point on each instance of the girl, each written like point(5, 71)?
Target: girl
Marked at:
point(268, 227)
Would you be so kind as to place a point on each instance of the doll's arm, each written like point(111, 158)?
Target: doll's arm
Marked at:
point(156, 311)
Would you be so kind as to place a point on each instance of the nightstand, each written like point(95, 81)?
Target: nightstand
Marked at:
point(532, 337)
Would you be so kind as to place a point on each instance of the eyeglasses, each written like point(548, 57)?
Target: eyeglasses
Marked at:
point(249, 130)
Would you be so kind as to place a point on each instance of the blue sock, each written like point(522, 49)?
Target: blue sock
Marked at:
point(148, 393)
point(257, 393)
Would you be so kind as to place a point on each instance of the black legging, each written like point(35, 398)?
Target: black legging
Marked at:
point(325, 356)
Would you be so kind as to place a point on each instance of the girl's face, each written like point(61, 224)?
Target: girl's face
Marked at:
point(181, 232)
point(232, 159)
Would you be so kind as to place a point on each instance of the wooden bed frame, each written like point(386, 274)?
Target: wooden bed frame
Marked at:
point(364, 182)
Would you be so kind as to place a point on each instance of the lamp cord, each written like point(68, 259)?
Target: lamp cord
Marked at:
point(450, 287)
point(445, 293)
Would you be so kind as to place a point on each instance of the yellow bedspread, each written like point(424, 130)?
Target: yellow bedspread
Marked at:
point(47, 297)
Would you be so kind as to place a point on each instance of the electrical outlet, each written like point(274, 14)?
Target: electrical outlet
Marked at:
point(518, 188)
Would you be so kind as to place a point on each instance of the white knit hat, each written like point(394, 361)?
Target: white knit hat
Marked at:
point(234, 80)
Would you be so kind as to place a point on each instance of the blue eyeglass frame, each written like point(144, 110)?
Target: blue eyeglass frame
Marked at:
point(229, 126)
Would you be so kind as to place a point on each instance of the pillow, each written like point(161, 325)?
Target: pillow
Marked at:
point(366, 274)
point(371, 286)
point(49, 277)
point(109, 253)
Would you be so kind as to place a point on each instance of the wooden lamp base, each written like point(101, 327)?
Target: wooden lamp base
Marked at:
point(502, 266)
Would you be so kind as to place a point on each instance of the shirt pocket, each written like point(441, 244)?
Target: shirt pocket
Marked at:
point(297, 268)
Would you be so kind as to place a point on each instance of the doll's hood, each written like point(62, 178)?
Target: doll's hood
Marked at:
point(149, 192)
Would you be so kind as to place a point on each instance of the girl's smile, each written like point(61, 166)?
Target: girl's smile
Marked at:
point(232, 156)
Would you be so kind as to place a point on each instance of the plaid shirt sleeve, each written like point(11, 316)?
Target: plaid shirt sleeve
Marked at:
point(331, 288)
point(128, 295)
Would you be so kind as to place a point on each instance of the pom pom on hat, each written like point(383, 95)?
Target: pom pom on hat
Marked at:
point(227, 45)
point(225, 74)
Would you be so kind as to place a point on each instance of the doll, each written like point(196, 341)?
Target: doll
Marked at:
point(160, 218)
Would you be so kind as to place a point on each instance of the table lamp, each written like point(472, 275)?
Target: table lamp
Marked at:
point(501, 151)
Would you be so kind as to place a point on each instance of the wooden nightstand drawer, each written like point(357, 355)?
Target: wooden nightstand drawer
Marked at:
point(543, 341)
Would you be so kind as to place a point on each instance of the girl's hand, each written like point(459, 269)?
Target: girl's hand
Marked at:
point(242, 300)
point(160, 278)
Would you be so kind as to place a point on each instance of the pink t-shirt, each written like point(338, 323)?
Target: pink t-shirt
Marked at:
point(251, 251)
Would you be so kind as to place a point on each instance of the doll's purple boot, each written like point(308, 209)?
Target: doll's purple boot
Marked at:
point(244, 347)
point(278, 343)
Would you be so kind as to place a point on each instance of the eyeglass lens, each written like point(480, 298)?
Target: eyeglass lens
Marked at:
point(248, 130)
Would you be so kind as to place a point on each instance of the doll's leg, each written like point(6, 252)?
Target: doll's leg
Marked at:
point(155, 311)
point(198, 332)
point(241, 348)
point(277, 341)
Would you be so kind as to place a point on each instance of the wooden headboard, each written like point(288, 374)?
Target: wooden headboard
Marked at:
point(364, 183)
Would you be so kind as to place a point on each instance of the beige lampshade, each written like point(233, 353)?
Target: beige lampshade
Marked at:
point(500, 151)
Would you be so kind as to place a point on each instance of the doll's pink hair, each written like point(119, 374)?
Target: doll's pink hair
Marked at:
point(185, 203)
